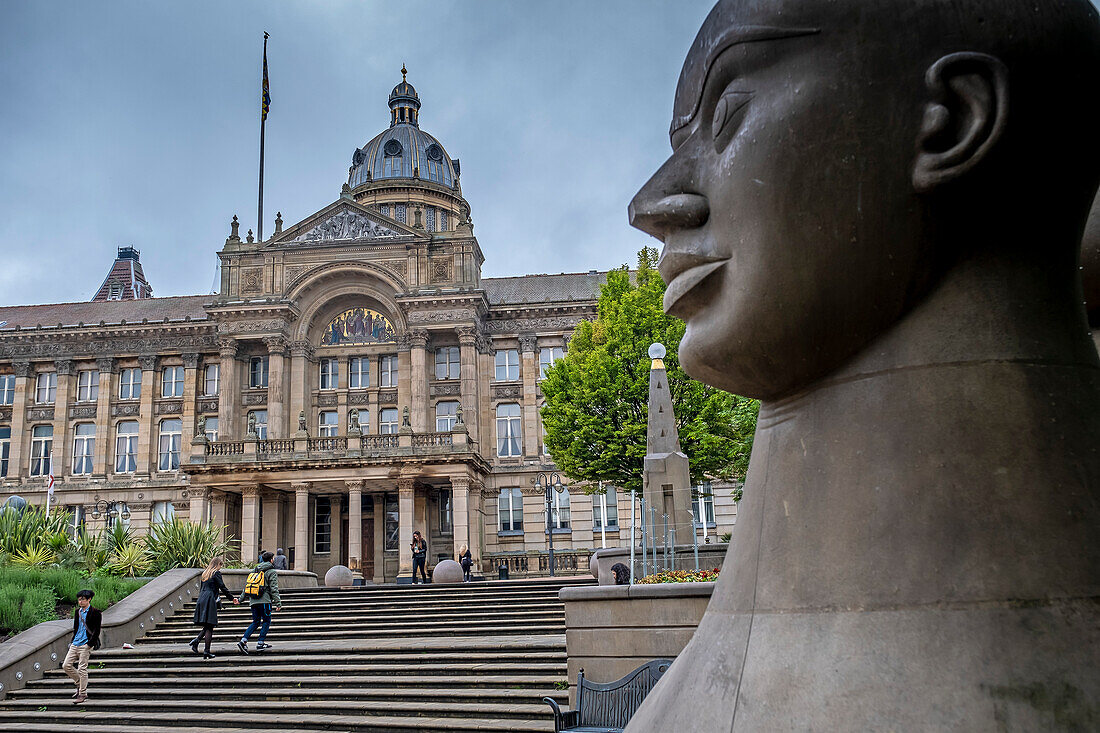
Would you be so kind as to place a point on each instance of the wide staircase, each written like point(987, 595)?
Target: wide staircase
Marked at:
point(471, 657)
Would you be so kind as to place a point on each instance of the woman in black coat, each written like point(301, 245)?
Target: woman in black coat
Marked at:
point(466, 561)
point(206, 610)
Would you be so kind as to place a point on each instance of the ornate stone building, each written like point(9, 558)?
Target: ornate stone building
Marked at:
point(355, 378)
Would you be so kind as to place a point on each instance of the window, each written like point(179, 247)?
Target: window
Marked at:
point(446, 512)
point(446, 415)
point(322, 528)
point(7, 389)
point(169, 446)
point(705, 496)
point(387, 421)
point(126, 438)
point(46, 391)
point(41, 447)
point(393, 524)
point(401, 212)
point(257, 372)
point(87, 386)
point(261, 423)
point(114, 291)
point(171, 381)
point(507, 365)
point(605, 509)
point(388, 376)
point(5, 450)
point(391, 167)
point(559, 514)
point(508, 430)
point(510, 511)
point(211, 375)
point(547, 357)
point(384, 209)
point(76, 519)
point(212, 429)
point(330, 370)
point(429, 213)
point(443, 221)
point(83, 448)
point(163, 511)
point(446, 363)
point(326, 424)
point(364, 421)
point(129, 384)
point(358, 373)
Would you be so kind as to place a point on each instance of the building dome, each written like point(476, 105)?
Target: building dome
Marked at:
point(404, 150)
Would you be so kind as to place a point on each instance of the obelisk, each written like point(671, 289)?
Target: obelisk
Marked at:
point(666, 478)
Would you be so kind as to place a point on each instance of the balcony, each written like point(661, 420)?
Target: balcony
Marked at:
point(254, 450)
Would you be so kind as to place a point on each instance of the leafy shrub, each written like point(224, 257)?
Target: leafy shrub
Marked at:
point(93, 549)
point(21, 607)
point(180, 544)
point(117, 537)
point(682, 576)
point(22, 530)
point(109, 591)
point(33, 556)
point(726, 537)
point(128, 560)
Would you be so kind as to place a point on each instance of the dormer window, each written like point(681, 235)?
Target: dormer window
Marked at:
point(114, 291)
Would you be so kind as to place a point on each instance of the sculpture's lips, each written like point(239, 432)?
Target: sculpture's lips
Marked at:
point(685, 272)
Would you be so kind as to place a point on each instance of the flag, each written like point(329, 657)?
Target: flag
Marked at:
point(265, 97)
point(49, 485)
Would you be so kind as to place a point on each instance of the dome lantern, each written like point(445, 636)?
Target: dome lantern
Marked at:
point(404, 103)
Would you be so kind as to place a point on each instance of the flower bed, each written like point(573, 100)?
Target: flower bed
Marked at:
point(682, 576)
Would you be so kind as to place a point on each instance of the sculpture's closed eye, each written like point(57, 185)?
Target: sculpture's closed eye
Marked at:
point(728, 110)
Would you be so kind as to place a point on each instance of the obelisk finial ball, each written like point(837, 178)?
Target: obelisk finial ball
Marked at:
point(657, 351)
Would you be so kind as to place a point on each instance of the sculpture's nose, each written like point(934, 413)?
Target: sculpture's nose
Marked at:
point(663, 206)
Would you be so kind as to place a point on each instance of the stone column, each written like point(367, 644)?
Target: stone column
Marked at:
point(276, 387)
point(190, 395)
point(61, 438)
point(19, 455)
point(301, 355)
point(418, 380)
point(529, 372)
point(336, 537)
point(379, 538)
point(103, 437)
point(147, 443)
point(250, 523)
point(405, 508)
point(467, 349)
point(460, 490)
point(229, 388)
point(355, 524)
point(301, 526)
point(199, 498)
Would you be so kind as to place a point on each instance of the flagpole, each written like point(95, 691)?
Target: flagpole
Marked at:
point(49, 486)
point(264, 96)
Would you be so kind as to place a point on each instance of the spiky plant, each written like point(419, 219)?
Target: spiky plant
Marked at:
point(35, 556)
point(178, 543)
point(129, 560)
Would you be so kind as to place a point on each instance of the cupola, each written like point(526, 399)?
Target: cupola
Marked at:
point(404, 103)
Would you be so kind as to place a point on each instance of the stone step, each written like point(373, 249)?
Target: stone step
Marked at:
point(216, 666)
point(533, 625)
point(319, 678)
point(182, 657)
point(229, 611)
point(40, 695)
point(69, 718)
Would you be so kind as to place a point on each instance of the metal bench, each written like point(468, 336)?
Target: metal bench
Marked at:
point(608, 707)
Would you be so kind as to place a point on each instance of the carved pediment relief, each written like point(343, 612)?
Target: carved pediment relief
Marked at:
point(344, 224)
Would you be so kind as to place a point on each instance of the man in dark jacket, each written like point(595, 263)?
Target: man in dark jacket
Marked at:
point(87, 622)
point(280, 562)
point(261, 604)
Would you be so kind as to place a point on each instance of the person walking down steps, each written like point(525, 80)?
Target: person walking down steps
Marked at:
point(87, 622)
point(206, 609)
point(261, 590)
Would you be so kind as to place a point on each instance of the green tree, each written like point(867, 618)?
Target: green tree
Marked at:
point(597, 395)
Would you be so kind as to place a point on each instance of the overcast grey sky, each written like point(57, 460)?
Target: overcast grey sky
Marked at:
point(136, 123)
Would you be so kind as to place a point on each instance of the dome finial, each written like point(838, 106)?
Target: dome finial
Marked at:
point(403, 71)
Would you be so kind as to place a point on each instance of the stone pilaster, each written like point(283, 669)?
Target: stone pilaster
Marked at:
point(103, 424)
point(355, 524)
point(418, 380)
point(301, 354)
point(250, 523)
point(529, 371)
point(19, 455)
point(405, 509)
point(190, 394)
point(276, 387)
point(467, 349)
point(199, 502)
point(229, 389)
point(61, 438)
point(147, 444)
point(336, 508)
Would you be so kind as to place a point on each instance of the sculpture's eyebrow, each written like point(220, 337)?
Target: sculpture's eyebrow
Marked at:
point(712, 48)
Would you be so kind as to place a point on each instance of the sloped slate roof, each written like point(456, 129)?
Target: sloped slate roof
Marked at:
point(561, 288)
point(110, 311)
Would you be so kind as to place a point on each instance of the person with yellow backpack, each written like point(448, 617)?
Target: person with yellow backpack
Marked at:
point(261, 590)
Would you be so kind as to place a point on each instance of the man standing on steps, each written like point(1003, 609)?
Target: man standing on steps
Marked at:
point(86, 624)
point(420, 556)
point(280, 561)
point(261, 590)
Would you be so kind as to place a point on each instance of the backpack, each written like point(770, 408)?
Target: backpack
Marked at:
point(255, 584)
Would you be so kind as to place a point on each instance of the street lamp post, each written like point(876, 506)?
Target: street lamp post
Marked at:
point(110, 510)
point(549, 482)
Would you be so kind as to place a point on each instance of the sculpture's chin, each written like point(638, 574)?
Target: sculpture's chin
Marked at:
point(713, 361)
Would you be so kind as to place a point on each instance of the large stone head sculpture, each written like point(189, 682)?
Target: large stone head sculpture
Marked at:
point(833, 161)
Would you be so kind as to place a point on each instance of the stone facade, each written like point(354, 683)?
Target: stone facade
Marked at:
point(354, 379)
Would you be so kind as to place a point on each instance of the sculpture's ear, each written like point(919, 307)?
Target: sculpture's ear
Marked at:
point(964, 118)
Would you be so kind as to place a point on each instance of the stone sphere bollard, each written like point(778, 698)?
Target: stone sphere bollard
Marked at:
point(447, 571)
point(339, 575)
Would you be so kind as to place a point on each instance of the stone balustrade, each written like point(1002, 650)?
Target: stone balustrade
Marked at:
point(339, 446)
